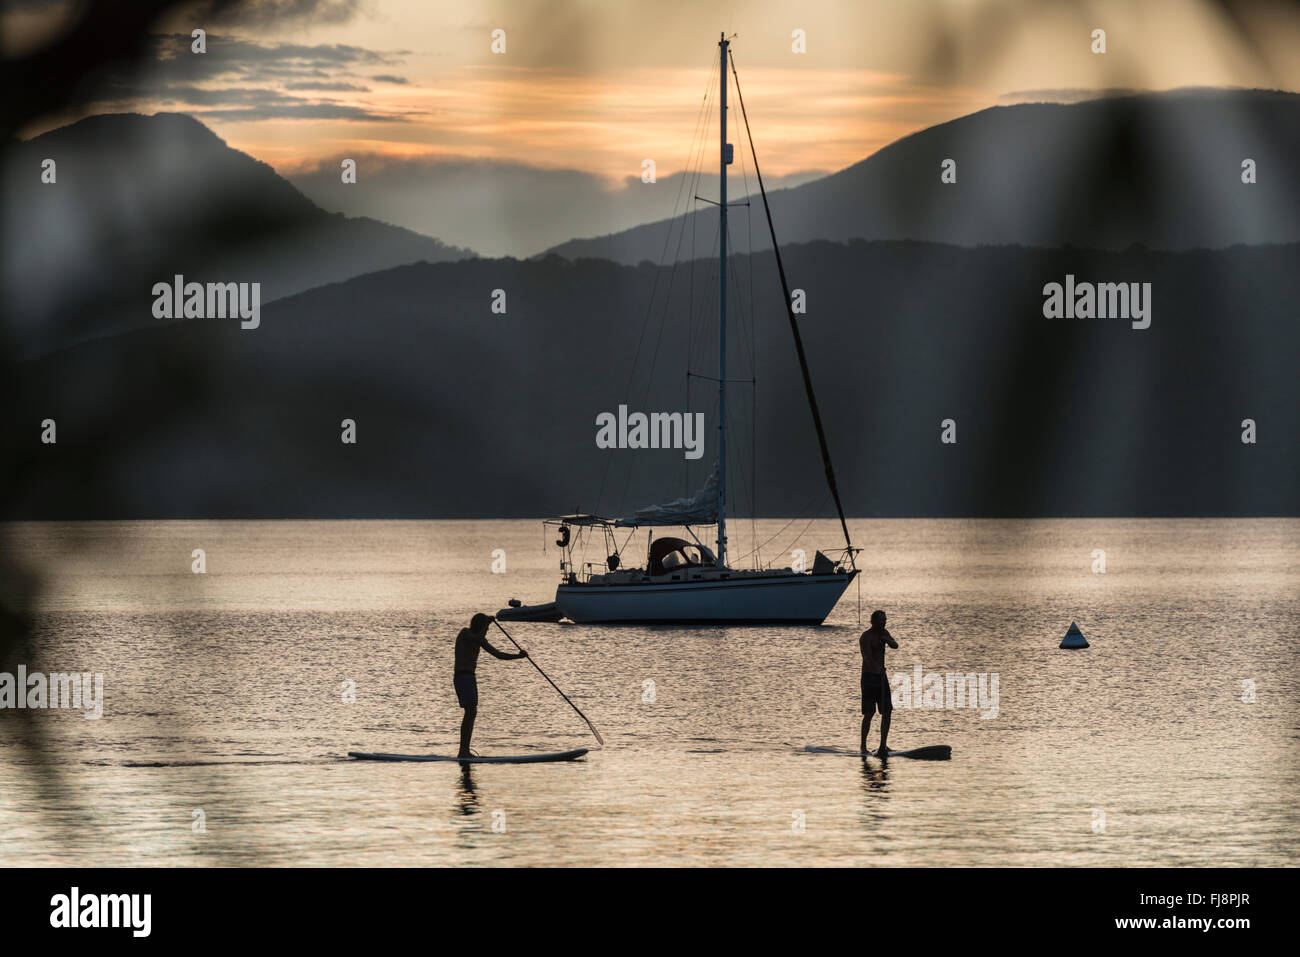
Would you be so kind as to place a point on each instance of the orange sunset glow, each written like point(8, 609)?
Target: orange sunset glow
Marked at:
point(597, 87)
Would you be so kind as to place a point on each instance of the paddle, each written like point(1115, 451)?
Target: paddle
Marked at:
point(599, 739)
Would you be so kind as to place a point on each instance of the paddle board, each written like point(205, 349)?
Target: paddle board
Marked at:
point(935, 752)
point(478, 759)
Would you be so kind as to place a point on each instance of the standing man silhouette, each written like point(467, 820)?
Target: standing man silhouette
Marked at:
point(875, 683)
point(468, 644)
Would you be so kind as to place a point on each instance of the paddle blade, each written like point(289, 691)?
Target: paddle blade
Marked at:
point(936, 752)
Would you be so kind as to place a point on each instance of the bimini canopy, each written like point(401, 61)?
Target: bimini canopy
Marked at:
point(583, 520)
point(700, 509)
point(671, 554)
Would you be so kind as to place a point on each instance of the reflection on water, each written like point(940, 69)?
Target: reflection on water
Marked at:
point(466, 798)
point(224, 694)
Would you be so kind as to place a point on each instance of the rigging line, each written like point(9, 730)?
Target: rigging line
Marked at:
point(753, 365)
point(747, 318)
point(690, 339)
point(700, 317)
point(700, 118)
point(746, 329)
point(701, 343)
point(691, 318)
point(708, 307)
point(794, 325)
point(713, 410)
point(753, 475)
point(667, 305)
point(781, 531)
point(617, 549)
point(708, 312)
point(693, 171)
point(627, 481)
point(672, 274)
point(696, 172)
point(582, 559)
point(803, 531)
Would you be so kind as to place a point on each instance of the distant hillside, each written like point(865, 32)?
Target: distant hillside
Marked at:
point(464, 413)
point(1160, 169)
point(500, 208)
point(140, 198)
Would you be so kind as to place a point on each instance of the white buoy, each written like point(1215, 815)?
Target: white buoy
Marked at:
point(1074, 638)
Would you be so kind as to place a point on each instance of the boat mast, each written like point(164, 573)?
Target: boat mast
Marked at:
point(725, 158)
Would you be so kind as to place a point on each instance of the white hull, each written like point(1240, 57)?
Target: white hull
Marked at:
point(766, 599)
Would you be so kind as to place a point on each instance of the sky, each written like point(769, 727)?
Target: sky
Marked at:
point(599, 86)
point(586, 90)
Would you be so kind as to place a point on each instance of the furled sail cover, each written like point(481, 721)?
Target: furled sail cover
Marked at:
point(700, 509)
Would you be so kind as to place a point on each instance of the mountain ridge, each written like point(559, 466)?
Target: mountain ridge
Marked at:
point(140, 198)
point(461, 412)
point(1002, 151)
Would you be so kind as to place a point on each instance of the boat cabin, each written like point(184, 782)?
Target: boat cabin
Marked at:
point(668, 555)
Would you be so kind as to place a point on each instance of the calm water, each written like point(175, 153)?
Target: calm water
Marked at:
point(223, 694)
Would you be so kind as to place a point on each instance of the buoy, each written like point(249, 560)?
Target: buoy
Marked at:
point(1074, 638)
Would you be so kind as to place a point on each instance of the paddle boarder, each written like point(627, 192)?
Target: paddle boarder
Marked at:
point(875, 683)
point(468, 644)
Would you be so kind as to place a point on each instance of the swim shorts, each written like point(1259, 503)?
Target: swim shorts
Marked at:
point(466, 689)
point(876, 694)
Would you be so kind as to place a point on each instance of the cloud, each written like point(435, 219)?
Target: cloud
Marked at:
point(1066, 95)
point(304, 111)
point(326, 86)
point(251, 81)
point(197, 96)
point(232, 55)
point(264, 13)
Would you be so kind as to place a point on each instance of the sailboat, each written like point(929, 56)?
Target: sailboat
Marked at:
point(683, 581)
